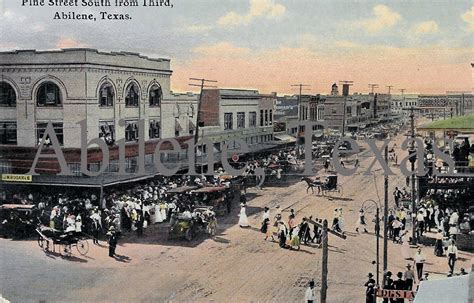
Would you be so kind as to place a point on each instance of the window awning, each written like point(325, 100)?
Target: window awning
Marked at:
point(177, 126)
point(284, 138)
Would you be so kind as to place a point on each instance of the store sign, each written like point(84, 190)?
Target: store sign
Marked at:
point(395, 294)
point(16, 178)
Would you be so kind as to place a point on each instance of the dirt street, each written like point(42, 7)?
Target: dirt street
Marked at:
point(236, 266)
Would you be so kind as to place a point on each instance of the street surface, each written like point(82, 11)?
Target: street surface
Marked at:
point(236, 266)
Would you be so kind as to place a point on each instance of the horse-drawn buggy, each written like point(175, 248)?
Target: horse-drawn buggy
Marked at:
point(189, 225)
point(326, 185)
point(49, 237)
point(215, 196)
point(17, 220)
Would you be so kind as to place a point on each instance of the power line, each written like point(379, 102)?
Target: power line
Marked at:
point(373, 86)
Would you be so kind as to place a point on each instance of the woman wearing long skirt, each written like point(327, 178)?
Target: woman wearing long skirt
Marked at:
point(243, 220)
point(438, 249)
point(406, 252)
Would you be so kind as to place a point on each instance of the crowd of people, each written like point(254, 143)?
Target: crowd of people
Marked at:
point(289, 233)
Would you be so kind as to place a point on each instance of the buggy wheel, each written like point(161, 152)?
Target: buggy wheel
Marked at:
point(82, 247)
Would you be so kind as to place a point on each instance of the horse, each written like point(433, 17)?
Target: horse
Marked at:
point(311, 184)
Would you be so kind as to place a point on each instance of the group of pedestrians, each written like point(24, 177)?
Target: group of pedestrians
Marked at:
point(288, 233)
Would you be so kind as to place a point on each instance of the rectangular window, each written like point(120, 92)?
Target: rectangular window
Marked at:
point(240, 120)
point(228, 123)
point(261, 117)
point(107, 131)
point(58, 129)
point(131, 131)
point(75, 168)
point(270, 117)
point(266, 117)
point(8, 133)
point(252, 119)
point(131, 164)
point(154, 130)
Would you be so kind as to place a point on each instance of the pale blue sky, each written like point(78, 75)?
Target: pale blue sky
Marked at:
point(256, 26)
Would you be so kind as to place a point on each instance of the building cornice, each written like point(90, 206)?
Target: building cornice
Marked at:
point(81, 67)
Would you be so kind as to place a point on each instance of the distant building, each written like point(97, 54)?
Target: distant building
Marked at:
point(399, 104)
point(229, 114)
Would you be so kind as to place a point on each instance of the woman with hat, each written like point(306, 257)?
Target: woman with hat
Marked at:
point(243, 220)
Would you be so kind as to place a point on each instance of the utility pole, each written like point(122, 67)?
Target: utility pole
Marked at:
point(324, 235)
point(300, 115)
point(348, 84)
point(389, 88)
point(412, 158)
point(377, 237)
point(373, 86)
point(385, 220)
point(300, 85)
point(324, 270)
point(202, 85)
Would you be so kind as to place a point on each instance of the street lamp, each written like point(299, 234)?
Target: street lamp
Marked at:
point(377, 232)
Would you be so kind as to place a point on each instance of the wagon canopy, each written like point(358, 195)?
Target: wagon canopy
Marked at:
point(17, 206)
point(181, 190)
point(209, 189)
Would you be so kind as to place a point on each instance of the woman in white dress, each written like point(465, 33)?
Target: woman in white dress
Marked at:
point(158, 215)
point(405, 249)
point(243, 220)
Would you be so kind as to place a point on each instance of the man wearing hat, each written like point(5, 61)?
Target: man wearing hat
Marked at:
point(309, 296)
point(112, 241)
point(370, 290)
point(388, 283)
point(409, 276)
point(399, 285)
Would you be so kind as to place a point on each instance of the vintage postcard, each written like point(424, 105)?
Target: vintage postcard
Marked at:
point(237, 151)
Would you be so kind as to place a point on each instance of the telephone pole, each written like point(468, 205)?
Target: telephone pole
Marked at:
point(373, 86)
point(325, 244)
point(324, 270)
point(202, 85)
point(300, 85)
point(385, 220)
point(412, 153)
point(347, 83)
point(389, 88)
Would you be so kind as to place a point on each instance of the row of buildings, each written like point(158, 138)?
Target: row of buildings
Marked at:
point(113, 91)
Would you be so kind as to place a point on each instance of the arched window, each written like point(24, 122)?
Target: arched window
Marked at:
point(191, 111)
point(132, 95)
point(155, 95)
point(48, 94)
point(106, 95)
point(7, 95)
